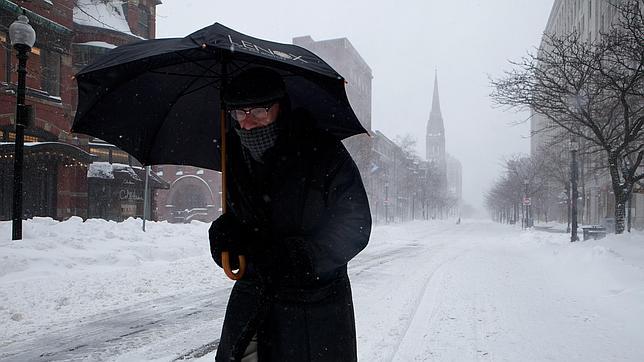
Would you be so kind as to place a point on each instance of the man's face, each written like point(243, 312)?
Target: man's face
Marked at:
point(255, 116)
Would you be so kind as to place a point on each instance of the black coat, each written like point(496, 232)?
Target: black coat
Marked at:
point(307, 212)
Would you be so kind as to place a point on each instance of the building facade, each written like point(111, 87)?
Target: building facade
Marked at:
point(69, 35)
point(398, 185)
point(193, 194)
point(454, 177)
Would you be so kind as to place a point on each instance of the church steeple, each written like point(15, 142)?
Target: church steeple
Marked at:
point(435, 123)
point(435, 139)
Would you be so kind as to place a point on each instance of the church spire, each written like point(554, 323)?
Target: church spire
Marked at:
point(435, 123)
point(435, 139)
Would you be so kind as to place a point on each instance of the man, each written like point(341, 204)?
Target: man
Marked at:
point(298, 211)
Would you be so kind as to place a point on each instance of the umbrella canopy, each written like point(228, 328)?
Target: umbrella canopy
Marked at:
point(160, 99)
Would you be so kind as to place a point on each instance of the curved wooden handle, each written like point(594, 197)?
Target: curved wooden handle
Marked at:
point(225, 262)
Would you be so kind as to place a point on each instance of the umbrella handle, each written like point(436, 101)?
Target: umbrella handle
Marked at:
point(225, 263)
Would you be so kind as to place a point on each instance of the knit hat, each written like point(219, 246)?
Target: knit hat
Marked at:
point(254, 86)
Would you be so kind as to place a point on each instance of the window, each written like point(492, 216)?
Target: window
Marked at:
point(84, 54)
point(144, 22)
point(50, 65)
point(103, 154)
point(120, 157)
point(27, 138)
point(5, 57)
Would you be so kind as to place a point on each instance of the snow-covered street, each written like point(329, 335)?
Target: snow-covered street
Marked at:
point(483, 291)
point(432, 291)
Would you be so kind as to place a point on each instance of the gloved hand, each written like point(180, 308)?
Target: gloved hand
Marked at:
point(225, 234)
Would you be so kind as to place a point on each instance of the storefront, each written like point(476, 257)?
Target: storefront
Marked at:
point(54, 180)
point(117, 191)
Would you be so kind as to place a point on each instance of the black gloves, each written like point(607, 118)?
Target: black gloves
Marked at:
point(225, 234)
point(286, 260)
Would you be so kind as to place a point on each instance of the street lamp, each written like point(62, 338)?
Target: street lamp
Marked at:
point(386, 202)
point(526, 204)
point(22, 37)
point(574, 147)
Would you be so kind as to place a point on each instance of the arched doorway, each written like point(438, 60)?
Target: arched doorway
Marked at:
point(191, 198)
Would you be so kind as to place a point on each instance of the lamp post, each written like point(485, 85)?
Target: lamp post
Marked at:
point(574, 146)
point(526, 204)
point(22, 37)
point(386, 202)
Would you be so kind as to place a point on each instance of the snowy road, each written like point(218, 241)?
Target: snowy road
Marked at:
point(476, 292)
point(433, 291)
point(113, 333)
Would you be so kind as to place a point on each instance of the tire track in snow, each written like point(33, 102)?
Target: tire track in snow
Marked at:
point(119, 331)
point(421, 298)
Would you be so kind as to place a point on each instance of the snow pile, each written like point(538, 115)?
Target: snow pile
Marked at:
point(106, 14)
point(605, 267)
point(64, 271)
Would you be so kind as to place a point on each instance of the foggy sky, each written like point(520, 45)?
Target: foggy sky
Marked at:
point(403, 42)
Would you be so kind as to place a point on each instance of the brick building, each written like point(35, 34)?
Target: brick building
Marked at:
point(69, 35)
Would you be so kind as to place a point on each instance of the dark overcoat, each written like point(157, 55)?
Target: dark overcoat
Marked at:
point(308, 212)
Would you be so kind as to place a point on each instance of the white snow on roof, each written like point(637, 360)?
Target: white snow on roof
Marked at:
point(107, 14)
point(100, 170)
point(100, 44)
point(106, 170)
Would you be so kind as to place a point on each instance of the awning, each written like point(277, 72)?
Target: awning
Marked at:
point(59, 149)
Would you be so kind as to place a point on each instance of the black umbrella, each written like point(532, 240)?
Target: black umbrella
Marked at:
point(159, 99)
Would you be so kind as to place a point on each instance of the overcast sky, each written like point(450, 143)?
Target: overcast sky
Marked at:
point(403, 42)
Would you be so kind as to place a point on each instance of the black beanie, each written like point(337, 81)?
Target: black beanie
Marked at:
point(254, 86)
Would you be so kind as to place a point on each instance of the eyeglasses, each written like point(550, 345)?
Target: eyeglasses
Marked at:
point(257, 112)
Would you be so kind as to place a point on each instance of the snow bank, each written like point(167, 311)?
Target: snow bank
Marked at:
point(64, 271)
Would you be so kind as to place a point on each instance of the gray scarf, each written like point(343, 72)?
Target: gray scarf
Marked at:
point(257, 140)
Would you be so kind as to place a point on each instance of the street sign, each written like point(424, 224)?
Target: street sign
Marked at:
point(527, 201)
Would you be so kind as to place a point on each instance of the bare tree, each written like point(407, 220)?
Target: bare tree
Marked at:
point(591, 90)
point(502, 201)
